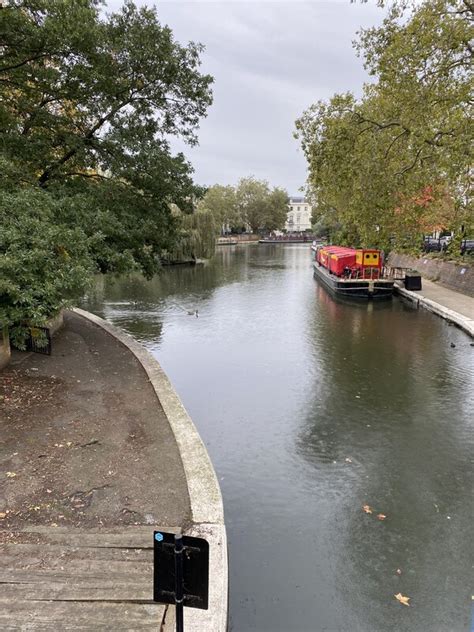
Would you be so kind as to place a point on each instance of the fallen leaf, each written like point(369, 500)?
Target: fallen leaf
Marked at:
point(11, 474)
point(69, 444)
point(402, 599)
point(2, 514)
point(367, 509)
point(381, 516)
point(399, 571)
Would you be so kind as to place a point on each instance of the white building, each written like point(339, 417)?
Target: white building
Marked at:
point(299, 215)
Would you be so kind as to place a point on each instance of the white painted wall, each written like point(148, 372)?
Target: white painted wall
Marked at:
point(299, 216)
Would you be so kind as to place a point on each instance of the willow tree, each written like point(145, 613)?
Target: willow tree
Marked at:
point(196, 237)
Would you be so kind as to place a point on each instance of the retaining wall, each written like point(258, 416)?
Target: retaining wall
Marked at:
point(454, 276)
point(207, 509)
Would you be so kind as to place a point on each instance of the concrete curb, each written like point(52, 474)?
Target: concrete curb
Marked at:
point(207, 509)
point(464, 323)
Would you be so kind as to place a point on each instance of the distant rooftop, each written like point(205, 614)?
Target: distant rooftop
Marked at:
point(297, 200)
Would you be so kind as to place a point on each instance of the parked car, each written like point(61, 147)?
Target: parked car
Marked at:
point(467, 246)
point(431, 244)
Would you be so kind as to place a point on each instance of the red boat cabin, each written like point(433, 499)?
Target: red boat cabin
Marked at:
point(351, 263)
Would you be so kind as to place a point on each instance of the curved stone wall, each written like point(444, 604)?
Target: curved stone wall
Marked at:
point(207, 509)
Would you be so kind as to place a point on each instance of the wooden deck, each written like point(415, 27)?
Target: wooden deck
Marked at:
point(64, 579)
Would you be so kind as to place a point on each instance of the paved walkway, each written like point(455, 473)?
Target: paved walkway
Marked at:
point(89, 465)
point(454, 306)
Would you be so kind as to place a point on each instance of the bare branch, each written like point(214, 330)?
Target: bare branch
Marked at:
point(400, 173)
point(394, 141)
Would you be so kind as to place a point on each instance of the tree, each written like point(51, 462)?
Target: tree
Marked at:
point(411, 131)
point(196, 239)
point(276, 210)
point(43, 265)
point(260, 207)
point(88, 104)
point(221, 202)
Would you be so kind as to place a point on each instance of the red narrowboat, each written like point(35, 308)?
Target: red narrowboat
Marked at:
point(352, 272)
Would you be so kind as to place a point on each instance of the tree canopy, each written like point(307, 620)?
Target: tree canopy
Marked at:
point(397, 162)
point(89, 104)
point(252, 203)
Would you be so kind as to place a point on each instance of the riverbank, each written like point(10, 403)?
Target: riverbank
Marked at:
point(452, 306)
point(97, 453)
point(455, 276)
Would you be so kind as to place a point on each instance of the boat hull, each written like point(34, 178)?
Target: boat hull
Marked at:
point(284, 241)
point(357, 289)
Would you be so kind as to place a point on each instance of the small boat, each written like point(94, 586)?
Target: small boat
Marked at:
point(287, 239)
point(226, 241)
point(352, 273)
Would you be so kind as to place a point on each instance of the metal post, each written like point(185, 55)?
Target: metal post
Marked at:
point(178, 583)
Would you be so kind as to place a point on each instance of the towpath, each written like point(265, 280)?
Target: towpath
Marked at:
point(451, 305)
point(89, 465)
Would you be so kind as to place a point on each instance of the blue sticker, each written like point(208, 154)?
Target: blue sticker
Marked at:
point(159, 537)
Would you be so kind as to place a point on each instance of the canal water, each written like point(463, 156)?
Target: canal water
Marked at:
point(312, 408)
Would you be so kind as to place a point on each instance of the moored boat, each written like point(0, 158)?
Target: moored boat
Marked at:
point(226, 241)
point(352, 273)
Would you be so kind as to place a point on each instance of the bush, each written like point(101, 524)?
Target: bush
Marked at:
point(43, 264)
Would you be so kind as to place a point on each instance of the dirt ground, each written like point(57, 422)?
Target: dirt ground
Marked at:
point(84, 441)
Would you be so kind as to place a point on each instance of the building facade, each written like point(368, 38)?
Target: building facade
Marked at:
point(299, 216)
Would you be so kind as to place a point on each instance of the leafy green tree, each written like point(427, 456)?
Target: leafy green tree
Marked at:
point(221, 202)
point(276, 209)
point(196, 238)
point(251, 199)
point(260, 207)
point(88, 104)
point(43, 265)
point(372, 160)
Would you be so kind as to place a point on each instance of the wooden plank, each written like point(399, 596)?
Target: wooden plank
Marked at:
point(132, 537)
point(79, 591)
point(67, 579)
point(32, 575)
point(56, 615)
point(57, 551)
point(76, 566)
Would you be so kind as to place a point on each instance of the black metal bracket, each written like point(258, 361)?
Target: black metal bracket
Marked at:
point(180, 572)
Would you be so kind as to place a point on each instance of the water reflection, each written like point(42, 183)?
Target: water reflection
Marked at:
point(311, 407)
point(387, 429)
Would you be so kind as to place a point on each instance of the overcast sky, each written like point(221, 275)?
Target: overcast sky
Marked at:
point(270, 61)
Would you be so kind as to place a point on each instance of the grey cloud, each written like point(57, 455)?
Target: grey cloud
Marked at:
point(270, 61)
